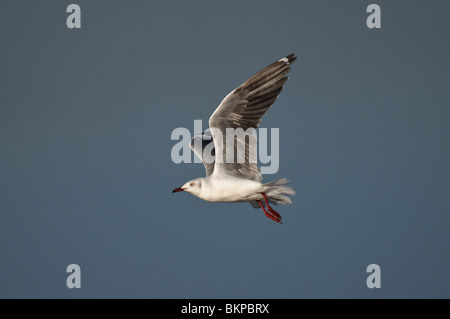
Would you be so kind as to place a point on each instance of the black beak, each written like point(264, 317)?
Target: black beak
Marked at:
point(179, 189)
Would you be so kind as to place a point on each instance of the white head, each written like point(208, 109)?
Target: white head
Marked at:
point(194, 187)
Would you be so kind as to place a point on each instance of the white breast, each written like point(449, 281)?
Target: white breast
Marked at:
point(224, 189)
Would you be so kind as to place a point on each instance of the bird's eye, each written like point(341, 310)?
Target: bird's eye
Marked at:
point(191, 184)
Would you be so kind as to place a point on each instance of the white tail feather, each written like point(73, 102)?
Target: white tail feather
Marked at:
point(277, 192)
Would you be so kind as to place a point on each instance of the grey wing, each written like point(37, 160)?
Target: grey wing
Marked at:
point(244, 108)
point(203, 146)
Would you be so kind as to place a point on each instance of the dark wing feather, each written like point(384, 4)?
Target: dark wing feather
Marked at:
point(244, 108)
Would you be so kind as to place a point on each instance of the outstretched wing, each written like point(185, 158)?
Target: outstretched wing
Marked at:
point(203, 147)
point(244, 108)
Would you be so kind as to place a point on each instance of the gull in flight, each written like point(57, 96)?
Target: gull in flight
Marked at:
point(239, 180)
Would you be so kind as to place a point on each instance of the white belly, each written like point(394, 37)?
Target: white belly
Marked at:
point(231, 190)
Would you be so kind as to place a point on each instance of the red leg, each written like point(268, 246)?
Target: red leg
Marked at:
point(273, 211)
point(272, 217)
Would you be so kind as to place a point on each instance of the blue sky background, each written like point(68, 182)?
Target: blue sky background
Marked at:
point(86, 175)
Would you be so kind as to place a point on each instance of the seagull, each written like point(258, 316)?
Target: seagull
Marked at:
point(240, 180)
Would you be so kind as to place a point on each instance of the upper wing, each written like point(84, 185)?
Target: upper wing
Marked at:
point(244, 108)
point(203, 147)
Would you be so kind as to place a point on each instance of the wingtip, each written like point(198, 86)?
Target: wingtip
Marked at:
point(289, 59)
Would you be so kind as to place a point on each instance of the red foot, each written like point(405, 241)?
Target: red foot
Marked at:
point(272, 217)
point(273, 211)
